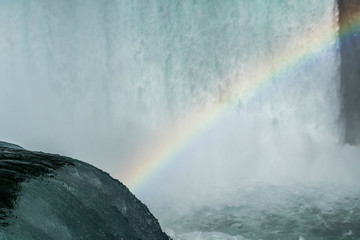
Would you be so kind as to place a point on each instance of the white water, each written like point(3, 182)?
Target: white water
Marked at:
point(93, 76)
point(98, 79)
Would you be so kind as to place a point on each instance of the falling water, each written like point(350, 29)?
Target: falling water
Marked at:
point(99, 80)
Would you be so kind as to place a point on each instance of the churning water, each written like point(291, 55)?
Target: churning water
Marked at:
point(107, 81)
point(258, 211)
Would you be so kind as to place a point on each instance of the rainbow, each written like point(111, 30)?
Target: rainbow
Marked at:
point(162, 152)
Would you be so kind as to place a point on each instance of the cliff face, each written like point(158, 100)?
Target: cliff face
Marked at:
point(46, 196)
point(349, 15)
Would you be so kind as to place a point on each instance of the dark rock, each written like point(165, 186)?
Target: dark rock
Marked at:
point(47, 196)
point(349, 32)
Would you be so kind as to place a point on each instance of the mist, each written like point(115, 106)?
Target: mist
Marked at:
point(100, 80)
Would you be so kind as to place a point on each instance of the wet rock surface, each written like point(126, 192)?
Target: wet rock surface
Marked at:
point(47, 196)
point(349, 13)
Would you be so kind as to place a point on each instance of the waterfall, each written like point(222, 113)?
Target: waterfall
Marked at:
point(84, 72)
point(174, 98)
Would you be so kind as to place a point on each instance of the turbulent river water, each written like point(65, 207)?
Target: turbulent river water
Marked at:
point(267, 211)
point(240, 101)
